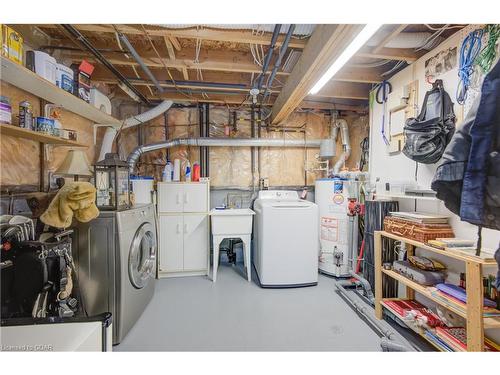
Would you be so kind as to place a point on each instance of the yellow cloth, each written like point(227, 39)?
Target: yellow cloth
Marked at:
point(74, 199)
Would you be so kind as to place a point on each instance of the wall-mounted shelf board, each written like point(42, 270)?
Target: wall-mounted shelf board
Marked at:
point(405, 196)
point(15, 131)
point(26, 80)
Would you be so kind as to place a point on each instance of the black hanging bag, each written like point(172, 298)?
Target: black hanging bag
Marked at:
point(427, 135)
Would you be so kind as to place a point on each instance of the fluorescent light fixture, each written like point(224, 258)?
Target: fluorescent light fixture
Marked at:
point(359, 41)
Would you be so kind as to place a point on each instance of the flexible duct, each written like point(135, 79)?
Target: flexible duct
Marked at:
point(218, 142)
point(111, 131)
point(148, 115)
point(341, 125)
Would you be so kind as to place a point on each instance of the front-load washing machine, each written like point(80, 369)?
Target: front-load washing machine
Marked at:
point(115, 258)
point(286, 240)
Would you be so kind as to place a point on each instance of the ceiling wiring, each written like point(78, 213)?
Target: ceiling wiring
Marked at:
point(165, 65)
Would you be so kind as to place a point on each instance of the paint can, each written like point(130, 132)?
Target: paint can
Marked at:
point(26, 115)
point(5, 110)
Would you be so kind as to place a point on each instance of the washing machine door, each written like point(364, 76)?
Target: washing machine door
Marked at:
point(142, 256)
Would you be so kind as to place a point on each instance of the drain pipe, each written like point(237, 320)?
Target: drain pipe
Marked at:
point(388, 341)
point(277, 64)
point(99, 56)
point(219, 142)
point(341, 125)
point(269, 55)
point(138, 59)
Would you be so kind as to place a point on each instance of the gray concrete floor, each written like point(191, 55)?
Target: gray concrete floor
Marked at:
point(194, 314)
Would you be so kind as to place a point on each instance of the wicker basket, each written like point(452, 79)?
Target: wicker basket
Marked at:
point(416, 231)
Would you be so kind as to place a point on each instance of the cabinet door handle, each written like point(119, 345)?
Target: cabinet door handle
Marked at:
point(185, 197)
point(185, 228)
point(178, 228)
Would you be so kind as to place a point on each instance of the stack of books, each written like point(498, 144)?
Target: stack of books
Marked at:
point(456, 296)
point(456, 339)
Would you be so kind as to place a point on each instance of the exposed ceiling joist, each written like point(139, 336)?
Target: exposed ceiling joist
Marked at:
point(395, 32)
point(235, 36)
point(389, 54)
point(225, 62)
point(343, 90)
point(358, 75)
point(239, 99)
point(325, 44)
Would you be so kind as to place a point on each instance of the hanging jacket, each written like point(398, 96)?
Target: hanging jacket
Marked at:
point(468, 177)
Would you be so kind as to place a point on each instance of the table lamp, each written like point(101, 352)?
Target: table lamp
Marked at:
point(75, 164)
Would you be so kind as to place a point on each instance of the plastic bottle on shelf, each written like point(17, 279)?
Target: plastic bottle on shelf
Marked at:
point(196, 172)
point(188, 171)
point(168, 172)
point(177, 170)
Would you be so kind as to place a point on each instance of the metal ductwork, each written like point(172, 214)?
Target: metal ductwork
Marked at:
point(218, 142)
point(341, 125)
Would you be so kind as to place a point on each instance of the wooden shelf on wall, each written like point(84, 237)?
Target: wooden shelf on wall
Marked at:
point(15, 131)
point(23, 78)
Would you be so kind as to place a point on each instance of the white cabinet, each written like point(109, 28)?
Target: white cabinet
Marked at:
point(182, 197)
point(171, 254)
point(184, 235)
point(195, 242)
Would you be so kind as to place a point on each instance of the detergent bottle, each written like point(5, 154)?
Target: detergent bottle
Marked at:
point(168, 172)
point(188, 171)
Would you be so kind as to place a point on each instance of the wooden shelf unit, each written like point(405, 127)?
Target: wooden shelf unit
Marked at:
point(16, 131)
point(473, 311)
point(418, 330)
point(23, 78)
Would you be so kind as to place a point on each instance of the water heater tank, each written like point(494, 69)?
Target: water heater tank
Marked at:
point(338, 231)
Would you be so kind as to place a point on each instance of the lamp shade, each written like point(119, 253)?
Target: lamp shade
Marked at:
point(75, 163)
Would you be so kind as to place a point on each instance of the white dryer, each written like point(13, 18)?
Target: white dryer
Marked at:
point(286, 240)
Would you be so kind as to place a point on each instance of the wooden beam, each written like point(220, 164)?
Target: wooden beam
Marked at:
point(358, 75)
point(185, 74)
point(175, 42)
point(209, 60)
point(399, 54)
point(234, 36)
point(324, 46)
point(314, 104)
point(170, 47)
point(345, 90)
point(397, 30)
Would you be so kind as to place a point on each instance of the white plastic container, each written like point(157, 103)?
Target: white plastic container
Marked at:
point(177, 170)
point(143, 189)
point(168, 172)
point(64, 78)
point(42, 64)
point(100, 101)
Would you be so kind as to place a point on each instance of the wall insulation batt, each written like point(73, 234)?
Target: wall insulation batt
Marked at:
point(231, 166)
